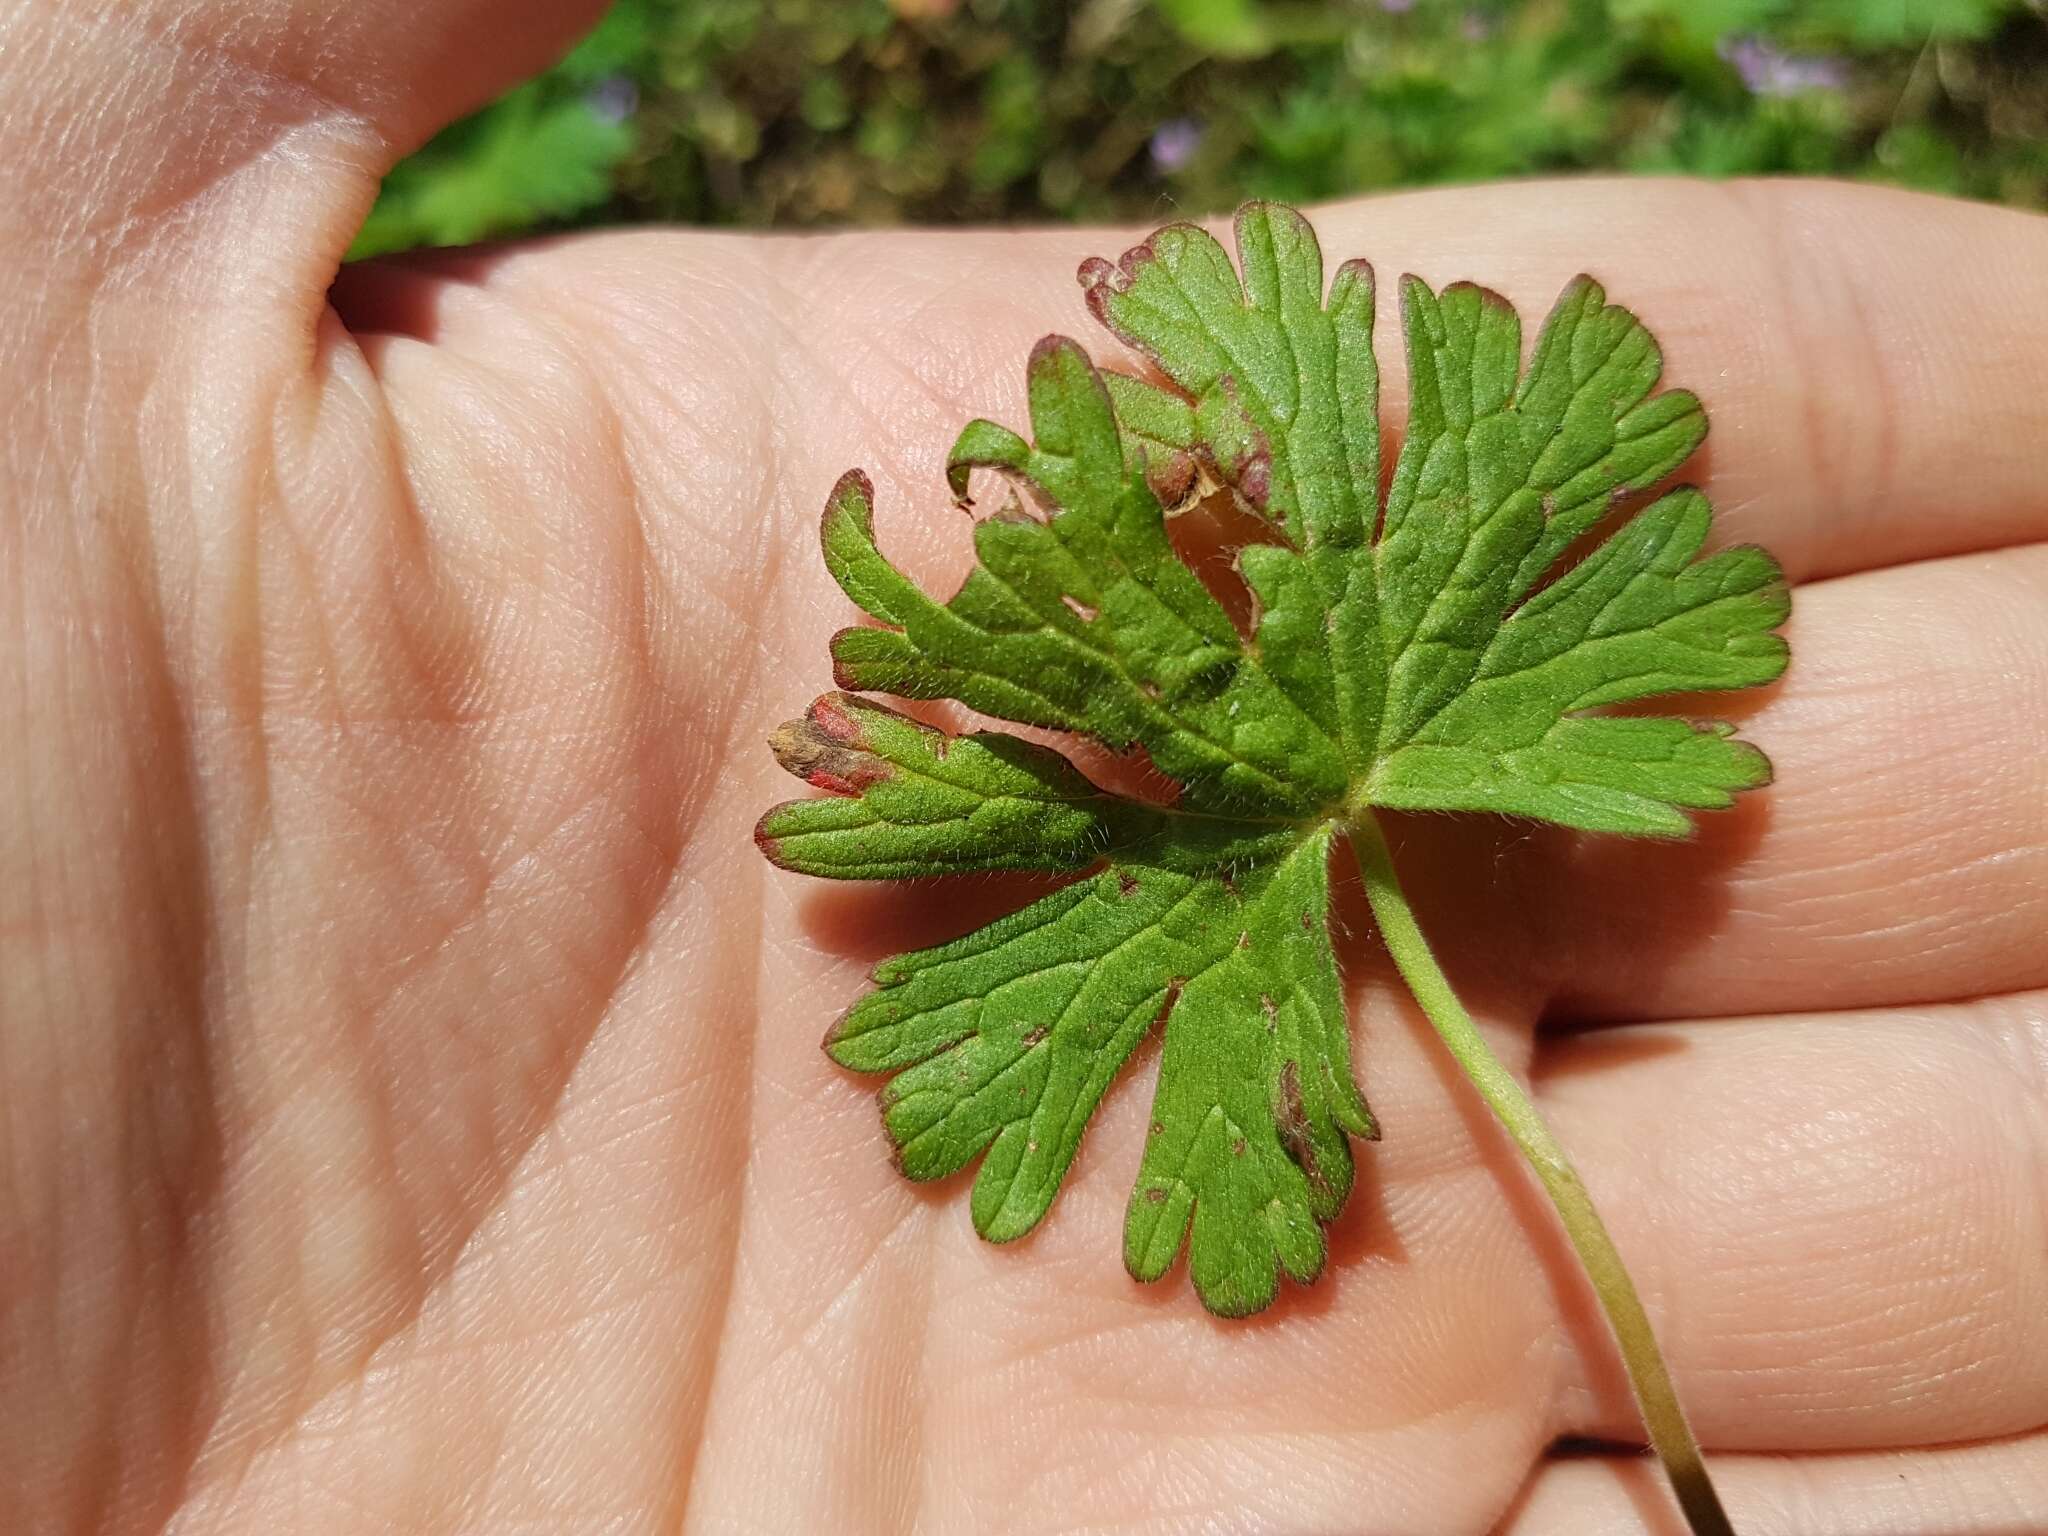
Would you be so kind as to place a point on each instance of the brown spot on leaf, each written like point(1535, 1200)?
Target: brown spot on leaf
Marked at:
point(827, 750)
point(1173, 478)
point(1237, 1147)
point(1273, 1020)
point(1035, 1034)
point(1013, 510)
point(1095, 272)
point(1126, 882)
point(1255, 480)
point(1293, 1124)
point(1154, 1195)
point(1291, 1113)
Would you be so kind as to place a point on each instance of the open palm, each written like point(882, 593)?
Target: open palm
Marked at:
point(410, 1110)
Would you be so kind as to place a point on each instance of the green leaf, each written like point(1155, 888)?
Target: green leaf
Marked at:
point(922, 802)
point(1638, 618)
point(1285, 392)
point(1012, 1035)
point(1437, 649)
point(1084, 621)
point(1247, 1141)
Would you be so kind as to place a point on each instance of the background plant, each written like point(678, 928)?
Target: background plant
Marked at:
point(818, 112)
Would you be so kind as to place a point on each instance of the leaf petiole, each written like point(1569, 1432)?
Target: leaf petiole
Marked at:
point(1670, 1436)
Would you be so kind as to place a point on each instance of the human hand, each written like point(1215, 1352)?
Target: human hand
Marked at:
point(410, 1112)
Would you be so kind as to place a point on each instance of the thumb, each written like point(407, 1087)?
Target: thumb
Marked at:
point(228, 149)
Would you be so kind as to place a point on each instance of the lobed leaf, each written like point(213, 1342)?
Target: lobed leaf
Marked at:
point(920, 802)
point(1494, 482)
point(1638, 618)
point(1405, 657)
point(1247, 1155)
point(1009, 1038)
point(1283, 389)
point(1086, 621)
point(913, 800)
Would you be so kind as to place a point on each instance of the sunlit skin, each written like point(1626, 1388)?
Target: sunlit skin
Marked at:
point(411, 1115)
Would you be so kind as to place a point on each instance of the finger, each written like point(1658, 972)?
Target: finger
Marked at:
point(1874, 363)
point(1996, 1488)
point(1900, 855)
point(1839, 1223)
point(225, 152)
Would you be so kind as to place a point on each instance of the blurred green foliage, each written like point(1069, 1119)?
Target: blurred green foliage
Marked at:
point(543, 152)
point(810, 112)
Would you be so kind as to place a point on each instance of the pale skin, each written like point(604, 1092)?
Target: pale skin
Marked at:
point(411, 1115)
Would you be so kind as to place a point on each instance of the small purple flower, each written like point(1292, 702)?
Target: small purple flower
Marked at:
point(1397, 7)
point(1174, 143)
point(1770, 71)
point(614, 98)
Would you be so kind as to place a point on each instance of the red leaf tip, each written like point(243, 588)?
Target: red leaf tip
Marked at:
point(827, 750)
